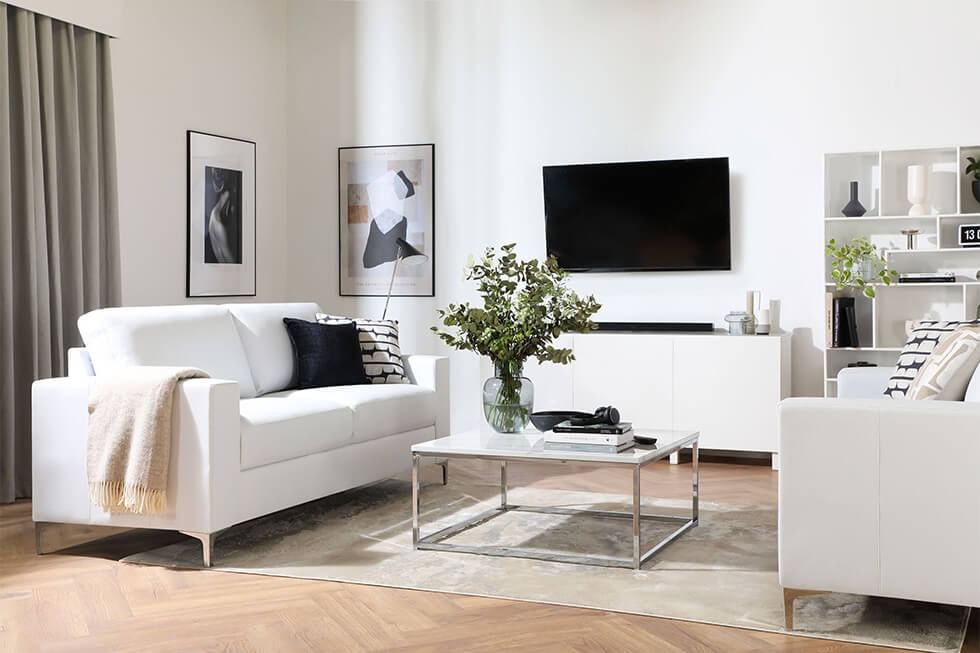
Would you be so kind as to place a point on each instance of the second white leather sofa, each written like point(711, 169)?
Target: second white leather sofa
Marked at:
point(244, 444)
point(880, 496)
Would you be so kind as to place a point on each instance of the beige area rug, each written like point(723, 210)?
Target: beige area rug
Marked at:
point(722, 572)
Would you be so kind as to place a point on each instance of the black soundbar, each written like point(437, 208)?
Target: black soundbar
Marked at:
point(698, 327)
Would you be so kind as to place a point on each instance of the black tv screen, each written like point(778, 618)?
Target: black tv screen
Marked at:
point(648, 215)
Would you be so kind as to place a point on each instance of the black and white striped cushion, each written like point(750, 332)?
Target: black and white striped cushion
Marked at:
point(925, 337)
point(380, 350)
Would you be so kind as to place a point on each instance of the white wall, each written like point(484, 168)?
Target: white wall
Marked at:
point(218, 67)
point(505, 87)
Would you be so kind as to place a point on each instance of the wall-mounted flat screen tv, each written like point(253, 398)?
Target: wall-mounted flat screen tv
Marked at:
point(647, 215)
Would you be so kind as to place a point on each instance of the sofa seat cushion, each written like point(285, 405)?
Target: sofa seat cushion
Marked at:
point(381, 410)
point(266, 343)
point(292, 424)
point(201, 335)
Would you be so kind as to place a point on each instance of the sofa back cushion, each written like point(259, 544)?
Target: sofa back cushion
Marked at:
point(267, 347)
point(202, 336)
point(973, 389)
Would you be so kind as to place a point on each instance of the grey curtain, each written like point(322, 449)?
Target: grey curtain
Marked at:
point(59, 246)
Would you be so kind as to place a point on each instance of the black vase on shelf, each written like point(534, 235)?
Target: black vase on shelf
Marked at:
point(854, 208)
point(845, 323)
point(975, 187)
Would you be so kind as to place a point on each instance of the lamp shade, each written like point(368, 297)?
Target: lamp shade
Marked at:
point(408, 253)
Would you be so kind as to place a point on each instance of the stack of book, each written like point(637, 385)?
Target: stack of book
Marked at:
point(598, 438)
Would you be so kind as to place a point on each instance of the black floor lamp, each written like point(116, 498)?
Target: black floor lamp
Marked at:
point(411, 256)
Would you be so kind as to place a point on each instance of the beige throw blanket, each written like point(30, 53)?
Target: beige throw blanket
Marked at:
point(129, 437)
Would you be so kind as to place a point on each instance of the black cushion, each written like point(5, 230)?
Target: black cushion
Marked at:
point(326, 354)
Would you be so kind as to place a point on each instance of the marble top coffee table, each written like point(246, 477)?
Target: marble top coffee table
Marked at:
point(529, 447)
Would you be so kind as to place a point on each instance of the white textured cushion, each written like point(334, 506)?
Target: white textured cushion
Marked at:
point(381, 410)
point(291, 424)
point(948, 369)
point(267, 347)
point(973, 390)
point(202, 336)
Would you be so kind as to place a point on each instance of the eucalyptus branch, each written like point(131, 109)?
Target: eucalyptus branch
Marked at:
point(526, 306)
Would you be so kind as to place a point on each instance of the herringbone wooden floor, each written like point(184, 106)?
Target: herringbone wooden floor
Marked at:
point(83, 600)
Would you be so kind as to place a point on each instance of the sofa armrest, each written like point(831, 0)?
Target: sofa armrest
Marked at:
point(79, 362)
point(432, 372)
point(205, 453)
point(865, 485)
point(863, 382)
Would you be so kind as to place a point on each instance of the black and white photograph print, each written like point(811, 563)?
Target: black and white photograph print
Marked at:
point(223, 204)
point(221, 236)
point(386, 196)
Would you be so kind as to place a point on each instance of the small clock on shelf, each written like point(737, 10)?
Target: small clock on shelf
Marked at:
point(970, 235)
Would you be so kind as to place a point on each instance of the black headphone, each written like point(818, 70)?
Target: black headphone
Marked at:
point(602, 415)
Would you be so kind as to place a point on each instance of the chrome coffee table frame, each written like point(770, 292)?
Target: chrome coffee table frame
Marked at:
point(436, 541)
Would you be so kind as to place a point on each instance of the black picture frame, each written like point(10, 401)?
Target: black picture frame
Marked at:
point(190, 290)
point(430, 247)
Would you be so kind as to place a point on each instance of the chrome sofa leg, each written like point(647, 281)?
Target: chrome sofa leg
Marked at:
point(445, 471)
point(207, 544)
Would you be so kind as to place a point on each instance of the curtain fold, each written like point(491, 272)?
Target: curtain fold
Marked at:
point(59, 245)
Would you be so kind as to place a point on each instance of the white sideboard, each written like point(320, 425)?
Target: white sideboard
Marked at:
point(726, 387)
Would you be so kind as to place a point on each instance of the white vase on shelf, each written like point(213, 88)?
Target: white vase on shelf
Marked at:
point(917, 190)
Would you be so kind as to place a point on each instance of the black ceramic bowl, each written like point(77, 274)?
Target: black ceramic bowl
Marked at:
point(548, 419)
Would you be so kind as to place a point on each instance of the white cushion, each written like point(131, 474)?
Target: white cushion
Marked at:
point(973, 390)
point(291, 424)
point(267, 347)
point(381, 410)
point(202, 336)
point(949, 368)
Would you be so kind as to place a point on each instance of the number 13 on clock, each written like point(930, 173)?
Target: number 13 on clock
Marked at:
point(970, 235)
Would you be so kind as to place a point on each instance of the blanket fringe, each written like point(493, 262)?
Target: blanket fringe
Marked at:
point(115, 496)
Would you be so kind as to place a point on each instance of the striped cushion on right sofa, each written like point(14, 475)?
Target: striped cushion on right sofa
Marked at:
point(925, 337)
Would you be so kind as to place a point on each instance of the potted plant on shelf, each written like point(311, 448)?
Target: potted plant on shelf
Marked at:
point(857, 265)
point(526, 306)
point(974, 169)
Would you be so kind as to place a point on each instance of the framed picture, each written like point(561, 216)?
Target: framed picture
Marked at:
point(220, 216)
point(387, 194)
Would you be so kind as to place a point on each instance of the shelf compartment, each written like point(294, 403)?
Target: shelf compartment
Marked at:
point(838, 359)
point(949, 235)
point(968, 203)
point(964, 262)
point(898, 307)
point(840, 170)
point(942, 190)
point(885, 232)
point(971, 302)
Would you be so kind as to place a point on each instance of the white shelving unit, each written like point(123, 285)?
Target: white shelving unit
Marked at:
point(883, 189)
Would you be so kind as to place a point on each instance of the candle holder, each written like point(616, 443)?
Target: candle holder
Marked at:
point(910, 235)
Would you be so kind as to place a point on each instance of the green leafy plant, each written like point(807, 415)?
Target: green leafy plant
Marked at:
point(852, 262)
point(526, 306)
point(973, 168)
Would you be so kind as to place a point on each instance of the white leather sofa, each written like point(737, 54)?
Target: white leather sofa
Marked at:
point(244, 445)
point(879, 496)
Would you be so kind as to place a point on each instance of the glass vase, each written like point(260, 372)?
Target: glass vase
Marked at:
point(508, 398)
